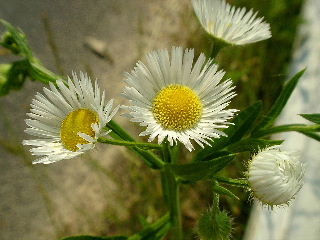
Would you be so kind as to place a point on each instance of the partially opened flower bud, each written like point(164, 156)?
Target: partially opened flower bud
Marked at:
point(275, 176)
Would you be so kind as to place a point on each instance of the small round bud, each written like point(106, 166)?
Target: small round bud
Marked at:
point(275, 176)
point(215, 225)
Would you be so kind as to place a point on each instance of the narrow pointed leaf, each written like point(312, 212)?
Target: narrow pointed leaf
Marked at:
point(201, 170)
point(242, 182)
point(243, 123)
point(252, 145)
point(152, 230)
point(289, 128)
point(279, 104)
point(315, 118)
point(313, 135)
point(221, 190)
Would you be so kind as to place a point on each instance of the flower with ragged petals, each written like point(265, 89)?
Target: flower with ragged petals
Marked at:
point(275, 176)
point(230, 24)
point(178, 99)
point(67, 120)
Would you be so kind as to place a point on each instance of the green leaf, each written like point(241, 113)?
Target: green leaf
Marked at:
point(242, 182)
point(200, 170)
point(252, 145)
point(313, 135)
point(243, 123)
point(16, 41)
point(12, 76)
point(160, 234)
point(87, 237)
point(289, 128)
point(152, 230)
point(221, 190)
point(315, 118)
point(279, 104)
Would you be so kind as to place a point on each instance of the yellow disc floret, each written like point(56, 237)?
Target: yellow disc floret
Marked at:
point(177, 107)
point(77, 121)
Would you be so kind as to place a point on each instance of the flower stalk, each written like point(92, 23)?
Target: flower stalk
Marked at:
point(128, 143)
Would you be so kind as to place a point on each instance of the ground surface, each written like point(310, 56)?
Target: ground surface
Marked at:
point(81, 195)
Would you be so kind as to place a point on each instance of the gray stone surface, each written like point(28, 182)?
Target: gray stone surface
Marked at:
point(300, 221)
point(73, 197)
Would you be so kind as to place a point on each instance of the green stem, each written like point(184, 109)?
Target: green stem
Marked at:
point(112, 125)
point(166, 152)
point(217, 46)
point(176, 214)
point(151, 159)
point(128, 144)
point(215, 199)
point(288, 128)
point(173, 200)
point(170, 187)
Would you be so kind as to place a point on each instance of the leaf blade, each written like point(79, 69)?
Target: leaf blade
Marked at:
point(252, 145)
point(315, 117)
point(243, 123)
point(200, 170)
point(280, 102)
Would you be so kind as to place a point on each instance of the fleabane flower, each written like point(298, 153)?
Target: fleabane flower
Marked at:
point(67, 120)
point(230, 24)
point(275, 176)
point(179, 100)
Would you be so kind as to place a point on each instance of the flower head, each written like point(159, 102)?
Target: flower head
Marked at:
point(179, 100)
point(229, 24)
point(68, 120)
point(275, 176)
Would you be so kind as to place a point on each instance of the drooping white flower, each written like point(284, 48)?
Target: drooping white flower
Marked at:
point(230, 24)
point(275, 176)
point(179, 100)
point(67, 120)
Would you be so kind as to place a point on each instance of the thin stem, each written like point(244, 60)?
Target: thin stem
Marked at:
point(151, 159)
point(288, 128)
point(172, 196)
point(216, 47)
point(171, 193)
point(166, 152)
point(128, 144)
point(215, 199)
point(176, 214)
point(119, 131)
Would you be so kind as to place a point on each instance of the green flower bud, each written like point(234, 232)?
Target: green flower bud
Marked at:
point(215, 225)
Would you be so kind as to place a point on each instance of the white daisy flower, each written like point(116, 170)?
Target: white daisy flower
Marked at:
point(229, 24)
point(275, 176)
point(68, 120)
point(179, 100)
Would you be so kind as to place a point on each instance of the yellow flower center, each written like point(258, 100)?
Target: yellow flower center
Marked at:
point(177, 107)
point(77, 121)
